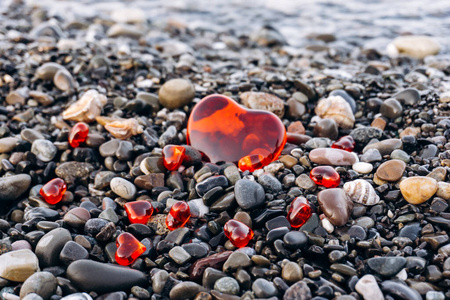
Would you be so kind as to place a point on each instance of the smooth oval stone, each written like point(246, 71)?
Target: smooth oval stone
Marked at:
point(264, 288)
point(401, 155)
point(18, 265)
point(391, 108)
point(418, 189)
point(386, 266)
point(249, 194)
point(400, 290)
point(44, 150)
point(385, 147)
point(50, 245)
point(7, 144)
point(176, 93)
point(123, 188)
point(336, 205)
point(391, 170)
point(362, 167)
point(11, 187)
point(331, 156)
point(225, 131)
point(43, 284)
point(103, 278)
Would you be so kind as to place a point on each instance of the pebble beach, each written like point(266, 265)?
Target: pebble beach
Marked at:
point(328, 177)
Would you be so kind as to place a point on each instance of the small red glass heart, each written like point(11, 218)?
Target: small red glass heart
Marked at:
point(178, 216)
point(225, 131)
point(173, 156)
point(299, 212)
point(78, 134)
point(139, 211)
point(128, 249)
point(238, 233)
point(346, 143)
point(325, 176)
point(53, 191)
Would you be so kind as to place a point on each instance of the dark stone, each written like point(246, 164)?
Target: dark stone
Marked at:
point(92, 276)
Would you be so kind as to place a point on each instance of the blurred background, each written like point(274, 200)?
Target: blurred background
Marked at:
point(371, 24)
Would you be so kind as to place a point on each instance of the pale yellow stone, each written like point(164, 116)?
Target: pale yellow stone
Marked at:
point(418, 189)
point(414, 45)
point(18, 265)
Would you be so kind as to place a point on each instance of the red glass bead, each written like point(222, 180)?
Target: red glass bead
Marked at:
point(178, 216)
point(173, 156)
point(128, 249)
point(225, 131)
point(78, 134)
point(346, 143)
point(238, 233)
point(325, 176)
point(299, 212)
point(138, 211)
point(53, 191)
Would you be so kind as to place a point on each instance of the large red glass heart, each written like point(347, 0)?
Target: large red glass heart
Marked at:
point(225, 131)
point(128, 249)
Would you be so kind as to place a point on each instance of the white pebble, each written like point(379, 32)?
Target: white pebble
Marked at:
point(402, 275)
point(123, 188)
point(362, 167)
point(326, 224)
point(368, 288)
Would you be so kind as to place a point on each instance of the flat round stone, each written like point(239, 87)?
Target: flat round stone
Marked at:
point(391, 171)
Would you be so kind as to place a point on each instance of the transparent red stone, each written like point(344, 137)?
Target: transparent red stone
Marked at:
point(225, 131)
point(346, 143)
point(299, 212)
point(178, 216)
point(325, 176)
point(238, 233)
point(128, 249)
point(78, 134)
point(139, 211)
point(53, 191)
point(173, 156)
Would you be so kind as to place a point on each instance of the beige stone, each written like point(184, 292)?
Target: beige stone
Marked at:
point(18, 265)
point(418, 189)
point(263, 101)
point(415, 46)
point(443, 190)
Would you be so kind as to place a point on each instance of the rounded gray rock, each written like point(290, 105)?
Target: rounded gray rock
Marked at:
point(11, 187)
point(50, 245)
point(249, 194)
point(44, 150)
point(43, 284)
point(227, 285)
point(264, 288)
